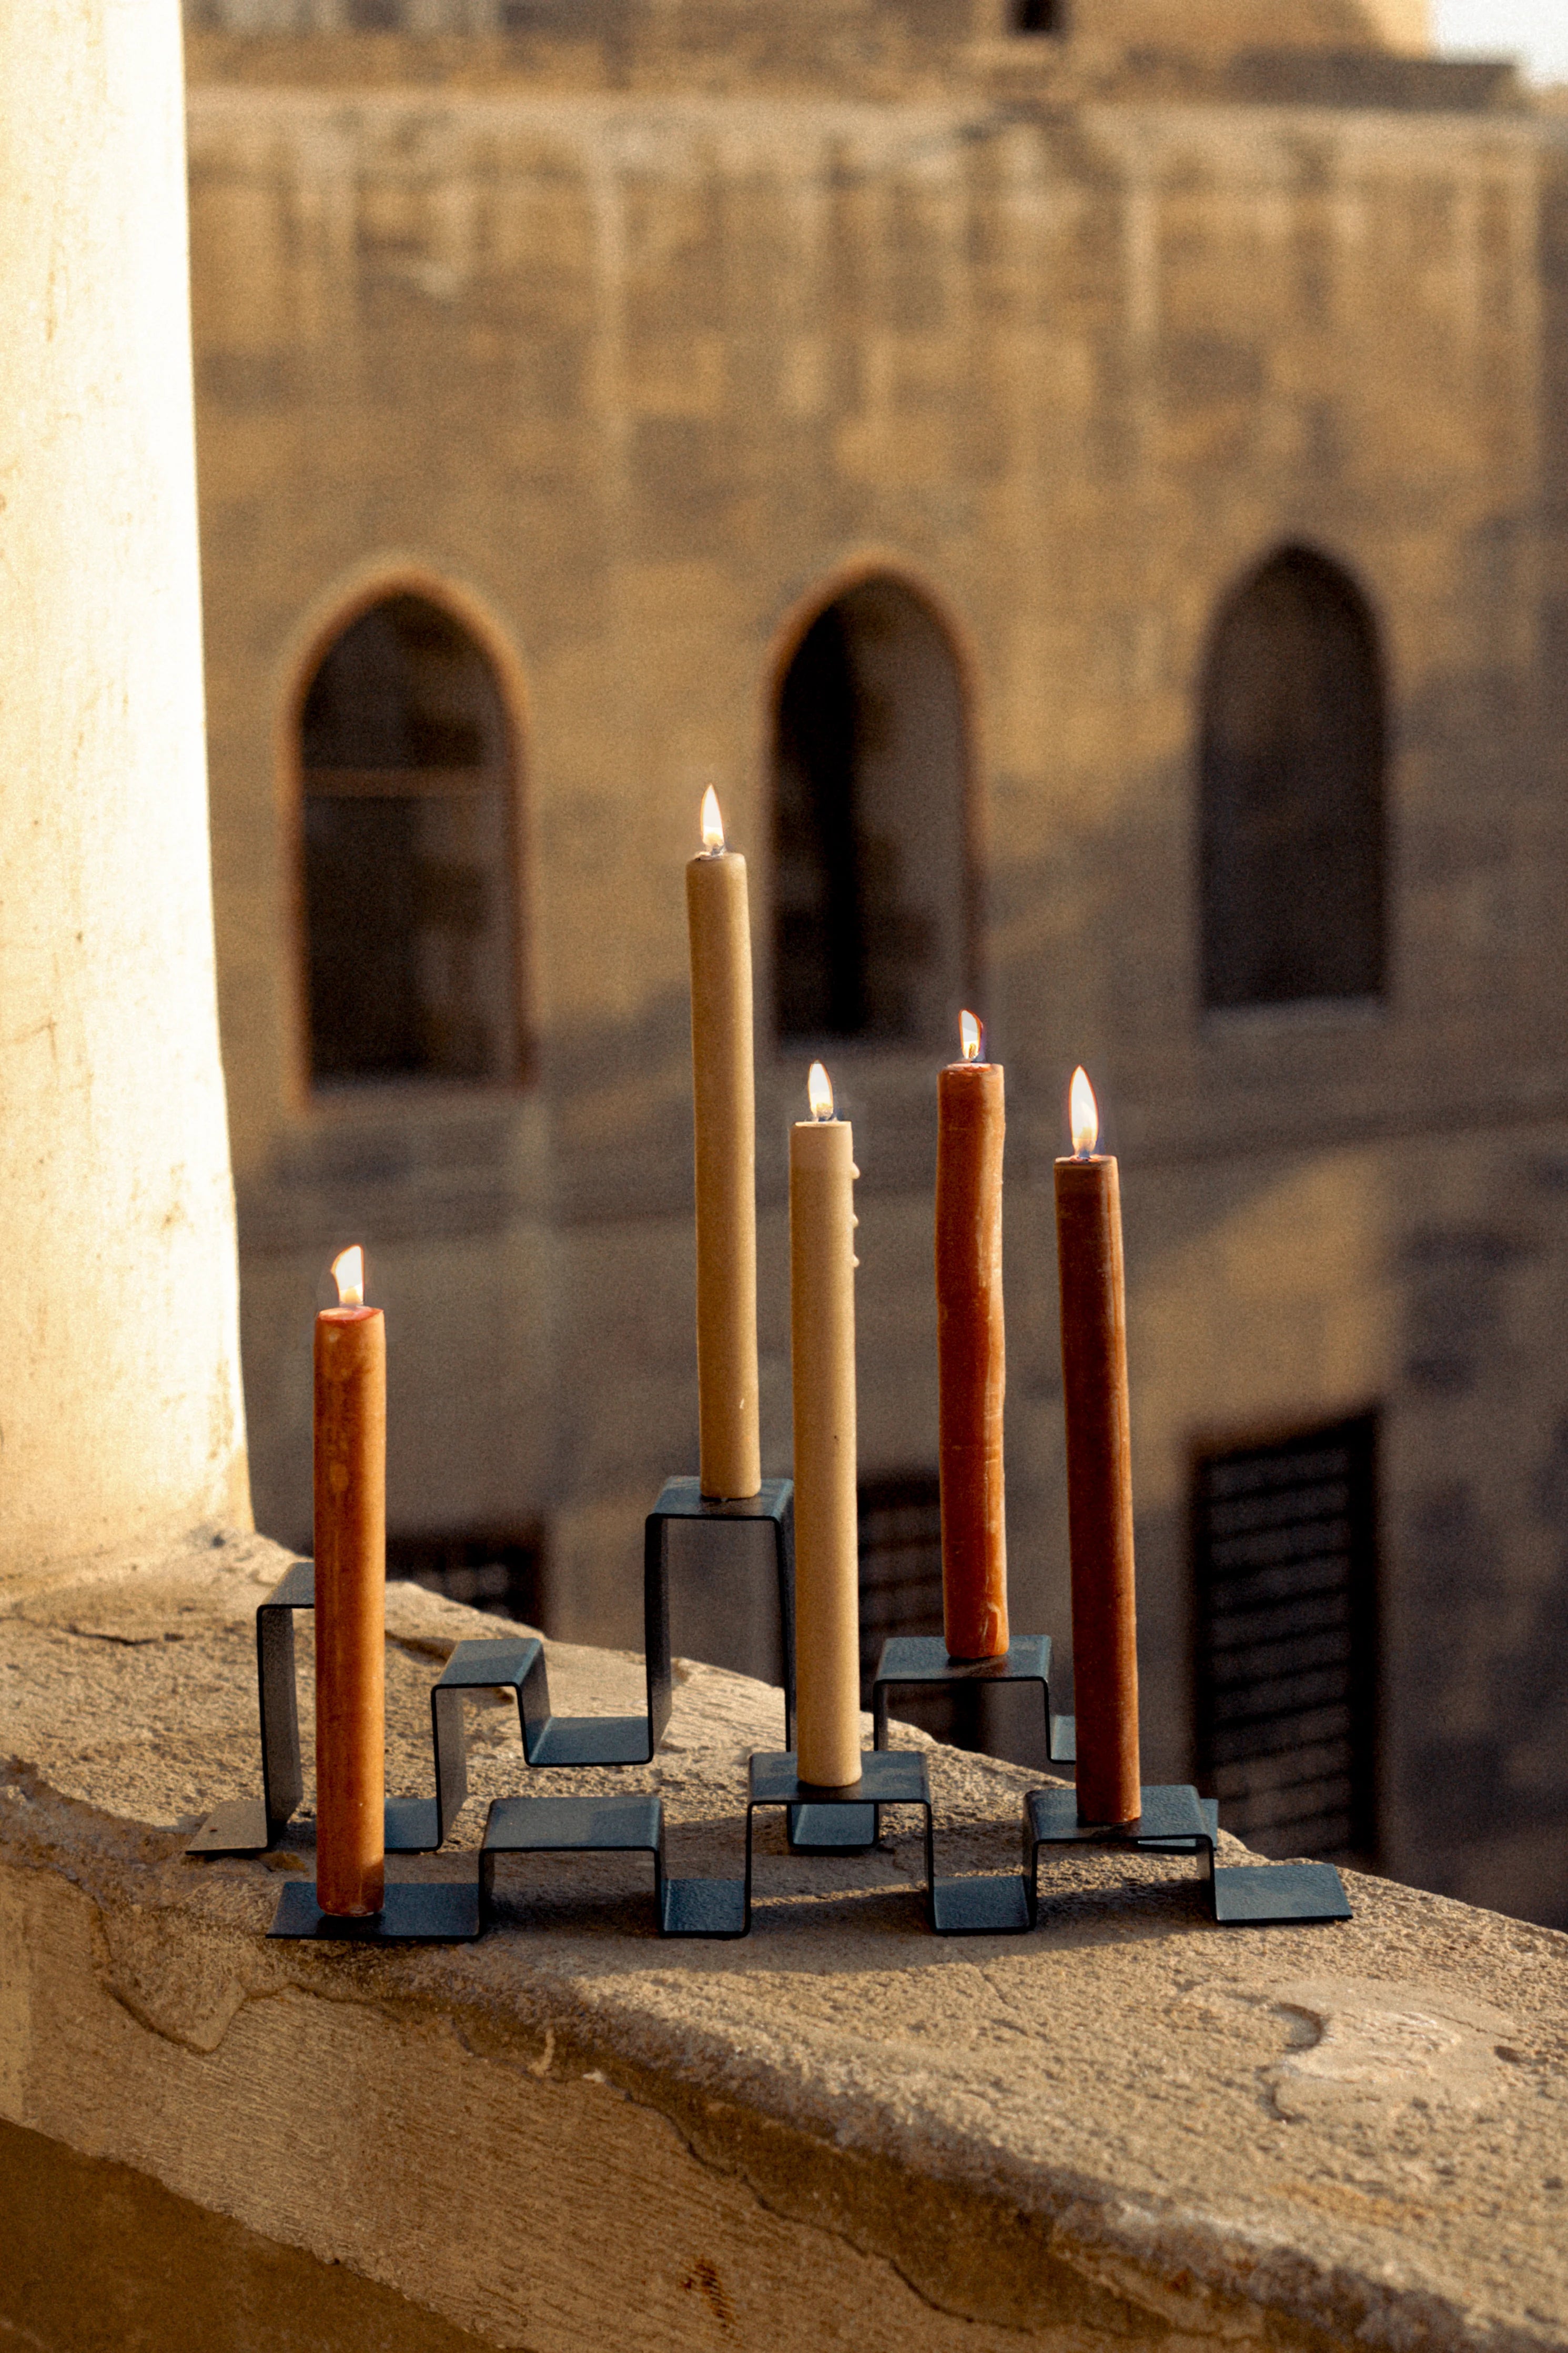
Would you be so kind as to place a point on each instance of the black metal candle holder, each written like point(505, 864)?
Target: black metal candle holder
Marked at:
point(250, 1826)
point(819, 1821)
point(1172, 1821)
point(813, 1828)
point(631, 1825)
point(421, 1911)
point(991, 1905)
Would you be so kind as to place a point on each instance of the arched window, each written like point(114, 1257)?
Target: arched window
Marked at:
point(1291, 779)
point(412, 967)
point(870, 859)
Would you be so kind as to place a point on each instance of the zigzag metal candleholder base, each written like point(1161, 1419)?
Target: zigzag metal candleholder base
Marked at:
point(1172, 1820)
point(723, 1908)
point(424, 1911)
point(252, 1826)
point(819, 1822)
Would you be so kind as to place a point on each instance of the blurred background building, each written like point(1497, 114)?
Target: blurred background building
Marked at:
point(1088, 482)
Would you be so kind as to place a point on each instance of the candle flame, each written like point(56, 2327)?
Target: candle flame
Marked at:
point(819, 1088)
point(348, 1272)
point(1083, 1115)
point(970, 1034)
point(712, 823)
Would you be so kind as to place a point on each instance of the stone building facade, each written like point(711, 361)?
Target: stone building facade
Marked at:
point(1124, 450)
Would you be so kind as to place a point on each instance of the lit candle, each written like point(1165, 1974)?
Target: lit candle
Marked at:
point(822, 1263)
point(351, 1598)
point(725, 1116)
point(1099, 1471)
point(972, 1357)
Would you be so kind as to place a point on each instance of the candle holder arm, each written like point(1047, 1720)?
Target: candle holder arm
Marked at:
point(551, 1740)
point(812, 1828)
point(716, 1908)
point(911, 1662)
point(249, 1826)
point(1174, 1820)
point(681, 1500)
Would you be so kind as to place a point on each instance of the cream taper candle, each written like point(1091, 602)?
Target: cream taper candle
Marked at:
point(822, 1262)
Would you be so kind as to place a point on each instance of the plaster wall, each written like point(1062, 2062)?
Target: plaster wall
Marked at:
point(119, 1398)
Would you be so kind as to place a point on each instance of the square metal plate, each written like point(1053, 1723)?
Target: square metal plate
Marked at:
point(889, 1777)
point(1273, 1894)
point(416, 1912)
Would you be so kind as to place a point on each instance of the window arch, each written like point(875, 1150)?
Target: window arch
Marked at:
point(411, 961)
point(1291, 780)
point(870, 851)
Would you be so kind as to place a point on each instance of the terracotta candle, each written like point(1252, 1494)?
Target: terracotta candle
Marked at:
point(351, 1598)
point(822, 1263)
point(724, 1100)
point(1099, 1471)
point(972, 1358)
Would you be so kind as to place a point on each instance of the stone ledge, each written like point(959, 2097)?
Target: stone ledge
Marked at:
point(1129, 2124)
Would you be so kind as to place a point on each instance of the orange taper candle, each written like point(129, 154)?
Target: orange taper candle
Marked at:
point(972, 1357)
point(725, 1108)
point(1099, 1471)
point(350, 1598)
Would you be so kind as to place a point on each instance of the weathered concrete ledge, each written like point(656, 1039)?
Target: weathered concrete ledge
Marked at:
point(1128, 2127)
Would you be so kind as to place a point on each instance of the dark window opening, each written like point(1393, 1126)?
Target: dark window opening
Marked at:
point(900, 1593)
point(870, 851)
point(1036, 16)
point(1285, 1546)
point(411, 953)
point(502, 1573)
point(1291, 765)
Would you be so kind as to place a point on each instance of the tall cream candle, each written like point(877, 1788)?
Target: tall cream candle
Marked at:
point(723, 1101)
point(822, 1263)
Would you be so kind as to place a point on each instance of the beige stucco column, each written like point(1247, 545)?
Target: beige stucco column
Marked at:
point(120, 1412)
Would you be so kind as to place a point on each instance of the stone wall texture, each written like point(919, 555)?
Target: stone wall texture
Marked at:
point(633, 332)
